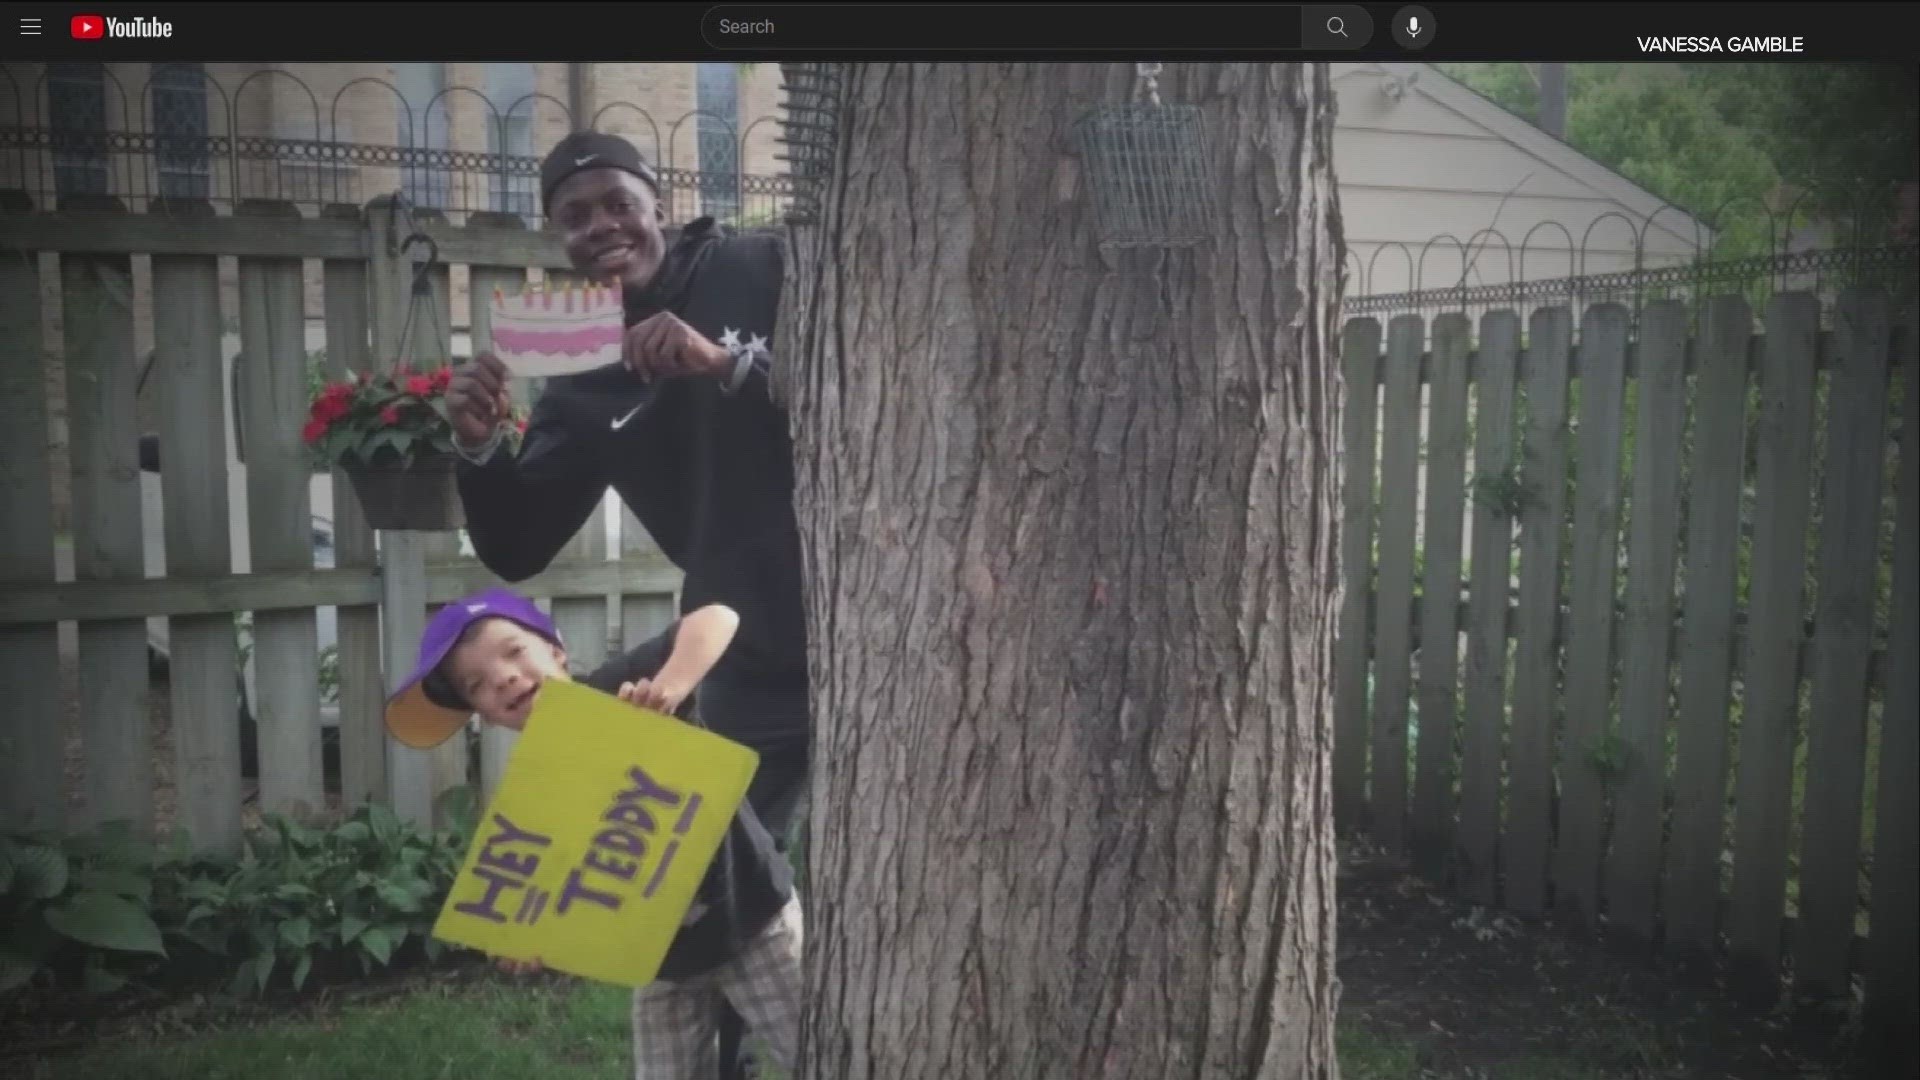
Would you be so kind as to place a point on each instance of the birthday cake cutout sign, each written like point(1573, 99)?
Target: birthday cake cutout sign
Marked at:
point(545, 332)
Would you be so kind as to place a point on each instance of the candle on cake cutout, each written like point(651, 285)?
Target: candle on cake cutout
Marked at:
point(537, 338)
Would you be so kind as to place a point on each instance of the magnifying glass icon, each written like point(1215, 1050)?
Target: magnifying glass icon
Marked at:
point(1337, 25)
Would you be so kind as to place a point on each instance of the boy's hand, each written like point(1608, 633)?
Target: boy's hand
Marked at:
point(477, 399)
point(521, 967)
point(665, 347)
point(653, 694)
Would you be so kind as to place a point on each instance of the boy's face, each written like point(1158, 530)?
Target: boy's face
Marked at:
point(612, 224)
point(499, 668)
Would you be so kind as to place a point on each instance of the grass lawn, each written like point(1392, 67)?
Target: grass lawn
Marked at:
point(479, 1029)
point(492, 1028)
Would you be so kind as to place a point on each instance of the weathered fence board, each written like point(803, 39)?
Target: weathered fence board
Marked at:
point(326, 237)
point(1646, 625)
point(359, 694)
point(276, 590)
point(1431, 821)
point(582, 621)
point(403, 558)
point(1360, 357)
point(1474, 846)
point(496, 743)
point(1893, 998)
point(1716, 477)
point(642, 614)
point(403, 616)
point(286, 647)
point(31, 742)
point(102, 384)
point(204, 657)
point(1764, 786)
point(1587, 745)
point(431, 348)
point(1842, 642)
point(1525, 846)
point(452, 761)
point(1393, 603)
point(90, 232)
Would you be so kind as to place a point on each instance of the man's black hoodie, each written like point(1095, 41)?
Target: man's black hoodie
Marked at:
point(709, 474)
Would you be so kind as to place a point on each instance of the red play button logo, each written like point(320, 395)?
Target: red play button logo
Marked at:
point(89, 27)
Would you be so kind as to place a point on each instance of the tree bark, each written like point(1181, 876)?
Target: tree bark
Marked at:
point(1071, 543)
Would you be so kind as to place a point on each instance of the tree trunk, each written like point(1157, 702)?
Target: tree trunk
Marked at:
point(1071, 544)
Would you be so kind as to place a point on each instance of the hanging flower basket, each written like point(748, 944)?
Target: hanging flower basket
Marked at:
point(389, 433)
point(418, 494)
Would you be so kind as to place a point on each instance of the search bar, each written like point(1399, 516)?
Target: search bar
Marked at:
point(1159, 29)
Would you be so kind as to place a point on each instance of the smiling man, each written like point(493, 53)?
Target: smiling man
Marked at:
point(685, 429)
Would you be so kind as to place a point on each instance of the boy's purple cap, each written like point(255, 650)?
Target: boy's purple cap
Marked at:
point(413, 716)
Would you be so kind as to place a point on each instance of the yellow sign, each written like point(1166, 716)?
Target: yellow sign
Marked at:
point(605, 823)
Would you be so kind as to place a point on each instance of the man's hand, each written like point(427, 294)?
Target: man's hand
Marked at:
point(661, 697)
point(663, 347)
point(521, 967)
point(477, 399)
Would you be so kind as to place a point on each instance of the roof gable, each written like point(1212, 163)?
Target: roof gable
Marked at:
point(1472, 111)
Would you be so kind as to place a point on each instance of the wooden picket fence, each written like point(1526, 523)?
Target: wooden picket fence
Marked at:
point(1590, 664)
point(381, 586)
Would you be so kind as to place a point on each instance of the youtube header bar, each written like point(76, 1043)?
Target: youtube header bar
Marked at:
point(352, 30)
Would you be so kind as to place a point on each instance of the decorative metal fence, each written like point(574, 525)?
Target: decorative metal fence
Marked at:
point(186, 137)
point(1861, 243)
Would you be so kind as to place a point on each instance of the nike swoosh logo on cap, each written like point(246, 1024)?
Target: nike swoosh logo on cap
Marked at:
point(622, 421)
point(584, 160)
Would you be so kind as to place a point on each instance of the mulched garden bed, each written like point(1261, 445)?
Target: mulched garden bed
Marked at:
point(1485, 994)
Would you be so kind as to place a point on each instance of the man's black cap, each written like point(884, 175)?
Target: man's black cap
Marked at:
point(584, 150)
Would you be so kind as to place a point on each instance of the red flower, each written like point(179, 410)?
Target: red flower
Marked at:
point(522, 426)
point(442, 377)
point(390, 415)
point(312, 432)
point(330, 406)
point(419, 386)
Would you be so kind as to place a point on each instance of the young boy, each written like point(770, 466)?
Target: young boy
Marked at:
point(489, 654)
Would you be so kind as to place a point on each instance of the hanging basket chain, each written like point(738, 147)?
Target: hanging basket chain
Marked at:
point(421, 292)
point(1149, 75)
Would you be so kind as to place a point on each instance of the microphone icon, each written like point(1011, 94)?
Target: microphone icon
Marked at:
point(1413, 27)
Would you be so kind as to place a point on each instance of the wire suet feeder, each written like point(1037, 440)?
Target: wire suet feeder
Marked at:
point(1146, 169)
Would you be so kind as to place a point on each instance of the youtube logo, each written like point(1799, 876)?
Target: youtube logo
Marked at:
point(94, 27)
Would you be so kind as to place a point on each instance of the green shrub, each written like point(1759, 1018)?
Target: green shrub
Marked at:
point(102, 910)
point(76, 907)
point(362, 893)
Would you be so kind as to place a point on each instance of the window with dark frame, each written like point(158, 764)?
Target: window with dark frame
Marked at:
point(423, 128)
point(178, 92)
point(512, 189)
point(77, 115)
point(718, 101)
